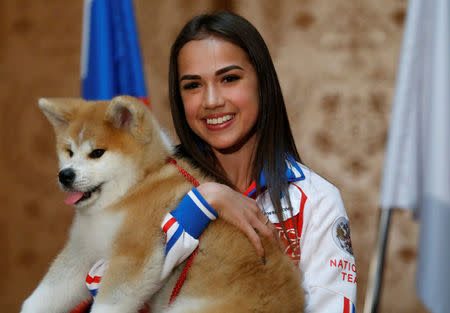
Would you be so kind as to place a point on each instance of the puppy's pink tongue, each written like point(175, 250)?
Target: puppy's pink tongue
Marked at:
point(73, 196)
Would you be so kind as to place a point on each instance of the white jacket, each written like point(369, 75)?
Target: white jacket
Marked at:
point(323, 250)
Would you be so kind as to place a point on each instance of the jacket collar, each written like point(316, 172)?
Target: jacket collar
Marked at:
point(293, 173)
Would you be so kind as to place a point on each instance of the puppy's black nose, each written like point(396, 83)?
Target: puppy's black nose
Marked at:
point(66, 177)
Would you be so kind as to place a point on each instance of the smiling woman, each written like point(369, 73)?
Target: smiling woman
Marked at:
point(229, 113)
point(219, 90)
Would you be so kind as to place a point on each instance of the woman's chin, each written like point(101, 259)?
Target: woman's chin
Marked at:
point(232, 146)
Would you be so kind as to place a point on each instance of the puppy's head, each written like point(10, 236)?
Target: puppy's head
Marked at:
point(104, 147)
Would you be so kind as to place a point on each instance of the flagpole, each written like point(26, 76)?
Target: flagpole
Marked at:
point(376, 264)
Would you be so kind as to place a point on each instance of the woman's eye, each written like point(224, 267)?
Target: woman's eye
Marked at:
point(70, 152)
point(231, 78)
point(97, 153)
point(192, 85)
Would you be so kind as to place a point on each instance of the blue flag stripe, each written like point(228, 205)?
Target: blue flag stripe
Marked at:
point(111, 58)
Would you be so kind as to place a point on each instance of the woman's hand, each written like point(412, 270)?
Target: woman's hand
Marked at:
point(240, 211)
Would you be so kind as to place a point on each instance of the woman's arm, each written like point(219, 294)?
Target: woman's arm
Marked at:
point(327, 261)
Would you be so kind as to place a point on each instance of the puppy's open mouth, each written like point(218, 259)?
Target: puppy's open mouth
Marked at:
point(75, 197)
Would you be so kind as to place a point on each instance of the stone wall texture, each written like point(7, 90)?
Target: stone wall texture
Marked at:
point(336, 61)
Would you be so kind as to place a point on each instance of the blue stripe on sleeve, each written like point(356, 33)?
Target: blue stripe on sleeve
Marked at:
point(190, 216)
point(174, 239)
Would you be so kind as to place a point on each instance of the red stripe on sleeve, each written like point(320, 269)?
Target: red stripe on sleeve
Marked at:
point(346, 305)
point(169, 224)
point(95, 279)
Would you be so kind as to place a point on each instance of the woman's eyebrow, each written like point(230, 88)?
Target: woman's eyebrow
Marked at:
point(188, 77)
point(218, 72)
point(228, 68)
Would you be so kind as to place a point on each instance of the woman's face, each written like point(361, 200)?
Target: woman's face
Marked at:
point(219, 89)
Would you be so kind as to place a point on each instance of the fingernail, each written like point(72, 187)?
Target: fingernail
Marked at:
point(263, 260)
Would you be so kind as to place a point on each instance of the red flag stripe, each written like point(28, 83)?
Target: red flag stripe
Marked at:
point(145, 100)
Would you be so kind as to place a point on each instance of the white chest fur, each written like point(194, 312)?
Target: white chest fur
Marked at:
point(95, 232)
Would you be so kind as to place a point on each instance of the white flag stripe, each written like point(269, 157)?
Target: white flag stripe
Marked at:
point(85, 37)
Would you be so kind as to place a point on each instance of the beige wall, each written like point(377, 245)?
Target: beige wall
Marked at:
point(336, 61)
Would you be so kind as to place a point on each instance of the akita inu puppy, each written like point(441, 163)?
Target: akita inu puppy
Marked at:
point(113, 160)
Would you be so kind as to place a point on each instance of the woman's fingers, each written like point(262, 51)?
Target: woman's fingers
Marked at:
point(264, 227)
point(241, 214)
point(254, 238)
point(240, 211)
point(276, 238)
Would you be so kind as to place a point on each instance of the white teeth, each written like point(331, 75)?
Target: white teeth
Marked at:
point(220, 120)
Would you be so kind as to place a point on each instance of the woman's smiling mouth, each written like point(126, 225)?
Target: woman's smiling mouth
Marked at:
point(220, 120)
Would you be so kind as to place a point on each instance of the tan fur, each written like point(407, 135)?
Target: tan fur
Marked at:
point(226, 275)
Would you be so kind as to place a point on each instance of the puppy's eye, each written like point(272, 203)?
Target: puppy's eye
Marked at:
point(70, 152)
point(97, 153)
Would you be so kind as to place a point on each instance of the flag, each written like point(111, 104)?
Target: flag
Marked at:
point(417, 165)
point(110, 58)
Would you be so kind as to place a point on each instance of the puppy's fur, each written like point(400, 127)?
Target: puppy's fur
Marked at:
point(127, 191)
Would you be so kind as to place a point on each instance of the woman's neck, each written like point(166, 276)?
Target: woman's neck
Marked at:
point(238, 165)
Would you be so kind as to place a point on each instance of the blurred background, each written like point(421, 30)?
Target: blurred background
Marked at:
point(337, 64)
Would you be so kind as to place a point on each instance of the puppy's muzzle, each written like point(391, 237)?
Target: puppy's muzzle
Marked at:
point(67, 177)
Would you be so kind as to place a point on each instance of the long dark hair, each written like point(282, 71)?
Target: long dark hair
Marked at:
point(273, 133)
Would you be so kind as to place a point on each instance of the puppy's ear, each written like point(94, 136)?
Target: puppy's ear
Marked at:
point(130, 113)
point(59, 111)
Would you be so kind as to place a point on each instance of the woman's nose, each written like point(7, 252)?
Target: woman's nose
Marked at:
point(213, 98)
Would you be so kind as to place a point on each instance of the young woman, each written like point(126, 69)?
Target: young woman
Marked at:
point(230, 117)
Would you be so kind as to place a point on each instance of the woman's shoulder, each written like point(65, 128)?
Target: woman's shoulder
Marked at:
point(314, 185)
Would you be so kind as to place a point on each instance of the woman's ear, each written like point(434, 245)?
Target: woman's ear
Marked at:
point(59, 111)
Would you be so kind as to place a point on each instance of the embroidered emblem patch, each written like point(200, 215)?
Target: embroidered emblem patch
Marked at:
point(341, 235)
